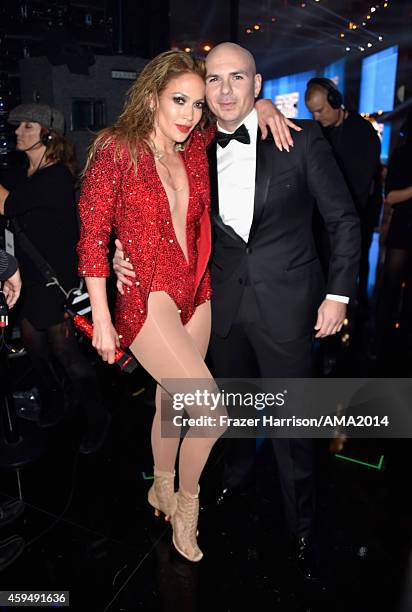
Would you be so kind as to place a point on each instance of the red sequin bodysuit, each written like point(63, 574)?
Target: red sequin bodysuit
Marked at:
point(136, 206)
point(173, 272)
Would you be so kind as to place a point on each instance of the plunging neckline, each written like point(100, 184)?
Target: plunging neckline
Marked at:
point(186, 259)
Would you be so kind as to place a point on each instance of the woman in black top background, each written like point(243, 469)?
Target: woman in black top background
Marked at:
point(41, 199)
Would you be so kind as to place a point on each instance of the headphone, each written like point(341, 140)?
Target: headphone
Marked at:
point(335, 98)
point(48, 136)
point(46, 139)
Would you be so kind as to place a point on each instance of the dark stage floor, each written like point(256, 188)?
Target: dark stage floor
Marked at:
point(88, 528)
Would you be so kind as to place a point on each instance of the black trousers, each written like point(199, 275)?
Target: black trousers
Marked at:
point(249, 351)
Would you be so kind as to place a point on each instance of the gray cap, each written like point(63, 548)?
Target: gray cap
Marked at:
point(49, 117)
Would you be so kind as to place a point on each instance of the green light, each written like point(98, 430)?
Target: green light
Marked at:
point(147, 476)
point(378, 466)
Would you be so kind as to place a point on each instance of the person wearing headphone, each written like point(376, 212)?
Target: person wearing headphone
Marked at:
point(38, 201)
point(356, 146)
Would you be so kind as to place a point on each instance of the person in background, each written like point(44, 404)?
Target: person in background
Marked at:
point(39, 202)
point(356, 146)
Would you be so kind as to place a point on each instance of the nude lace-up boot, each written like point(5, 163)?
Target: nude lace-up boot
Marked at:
point(184, 523)
point(162, 495)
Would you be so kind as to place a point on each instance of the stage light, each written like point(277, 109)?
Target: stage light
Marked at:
point(380, 38)
point(369, 45)
point(248, 31)
point(361, 48)
point(373, 9)
point(188, 49)
point(364, 23)
point(347, 48)
point(380, 112)
point(256, 26)
point(274, 18)
point(207, 48)
point(368, 17)
point(303, 5)
point(342, 35)
point(385, 4)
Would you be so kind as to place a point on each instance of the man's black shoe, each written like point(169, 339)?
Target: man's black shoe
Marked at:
point(10, 550)
point(305, 559)
point(94, 438)
point(10, 511)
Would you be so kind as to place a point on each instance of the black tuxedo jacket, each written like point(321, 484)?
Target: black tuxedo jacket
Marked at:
point(280, 259)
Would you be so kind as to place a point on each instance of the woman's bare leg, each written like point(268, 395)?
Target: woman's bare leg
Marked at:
point(165, 449)
point(167, 349)
point(194, 452)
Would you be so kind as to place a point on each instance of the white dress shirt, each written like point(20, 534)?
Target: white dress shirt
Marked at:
point(236, 175)
point(236, 172)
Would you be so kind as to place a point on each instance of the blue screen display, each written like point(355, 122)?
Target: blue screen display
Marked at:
point(336, 73)
point(378, 81)
point(288, 94)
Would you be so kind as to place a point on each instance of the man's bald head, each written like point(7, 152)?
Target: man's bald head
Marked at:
point(316, 100)
point(232, 48)
point(314, 90)
point(231, 84)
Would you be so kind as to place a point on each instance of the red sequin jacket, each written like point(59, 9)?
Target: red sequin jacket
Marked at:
point(115, 197)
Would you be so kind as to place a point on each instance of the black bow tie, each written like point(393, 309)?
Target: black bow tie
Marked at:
point(241, 134)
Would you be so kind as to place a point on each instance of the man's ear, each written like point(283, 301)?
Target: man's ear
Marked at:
point(258, 84)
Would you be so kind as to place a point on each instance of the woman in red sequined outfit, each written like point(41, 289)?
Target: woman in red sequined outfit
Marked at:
point(147, 178)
